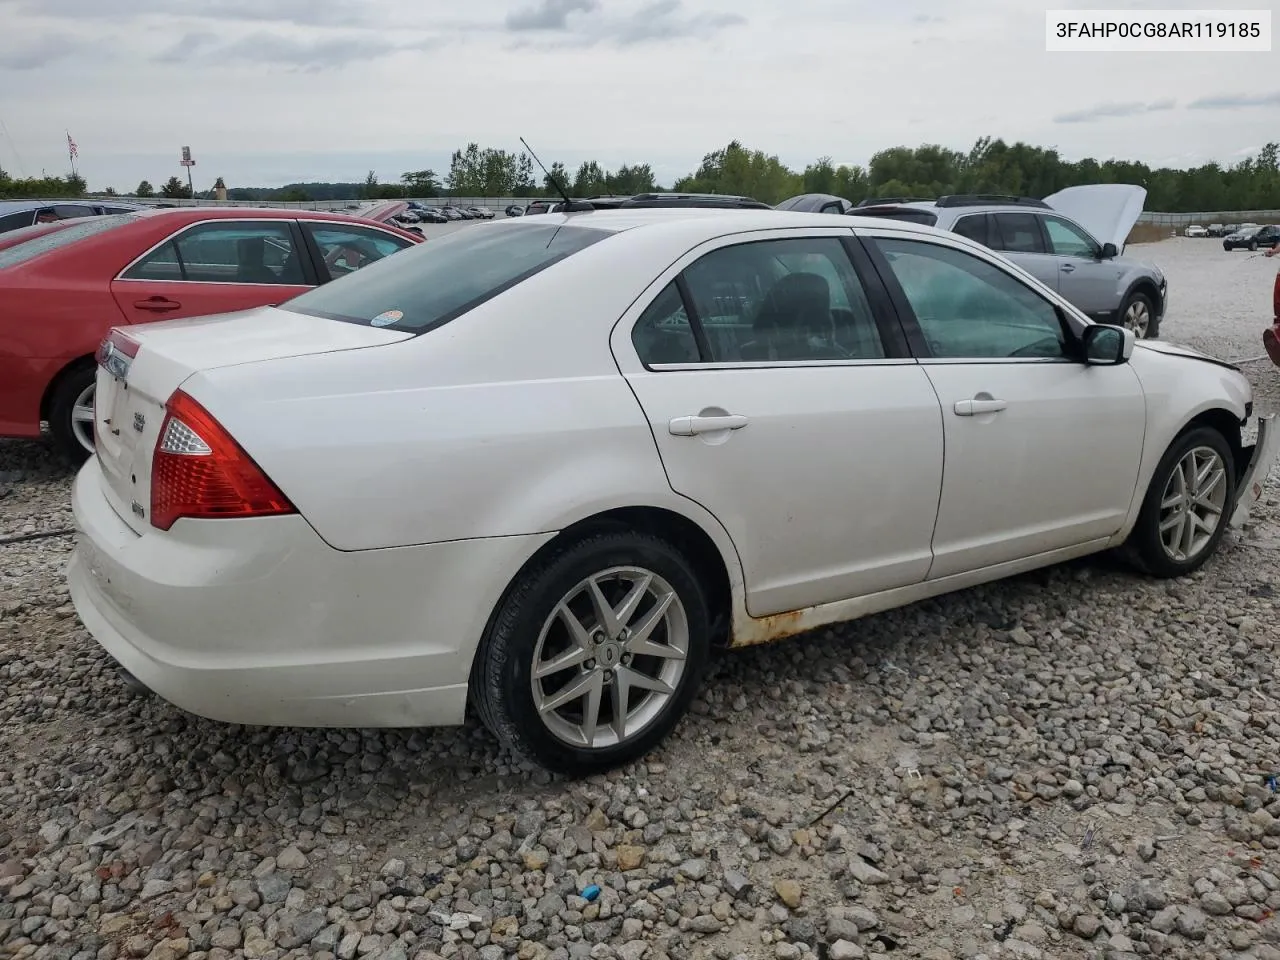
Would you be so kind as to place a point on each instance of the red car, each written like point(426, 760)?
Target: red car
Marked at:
point(64, 285)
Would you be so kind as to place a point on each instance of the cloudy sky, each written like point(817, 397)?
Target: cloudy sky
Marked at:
point(271, 91)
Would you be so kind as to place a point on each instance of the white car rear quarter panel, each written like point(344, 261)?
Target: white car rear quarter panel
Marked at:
point(258, 621)
point(510, 420)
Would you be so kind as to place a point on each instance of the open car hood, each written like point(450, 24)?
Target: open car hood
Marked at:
point(1106, 210)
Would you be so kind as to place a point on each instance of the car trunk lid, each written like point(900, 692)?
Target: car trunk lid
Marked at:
point(140, 367)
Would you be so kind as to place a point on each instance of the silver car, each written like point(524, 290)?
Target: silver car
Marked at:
point(1072, 241)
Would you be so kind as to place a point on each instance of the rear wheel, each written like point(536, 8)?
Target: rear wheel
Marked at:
point(71, 413)
point(1187, 507)
point(1253, 245)
point(594, 654)
point(1139, 315)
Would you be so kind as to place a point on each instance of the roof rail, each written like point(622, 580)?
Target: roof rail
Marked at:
point(693, 200)
point(878, 201)
point(983, 199)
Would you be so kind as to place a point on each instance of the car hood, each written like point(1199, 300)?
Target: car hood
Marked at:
point(1106, 210)
point(1179, 350)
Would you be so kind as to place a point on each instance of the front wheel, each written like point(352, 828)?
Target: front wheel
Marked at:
point(594, 654)
point(1139, 315)
point(1253, 245)
point(71, 414)
point(1187, 507)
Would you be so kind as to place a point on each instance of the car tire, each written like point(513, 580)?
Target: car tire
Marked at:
point(1160, 543)
point(550, 616)
point(68, 424)
point(1253, 245)
point(1141, 306)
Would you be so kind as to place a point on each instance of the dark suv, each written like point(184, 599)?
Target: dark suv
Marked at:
point(650, 200)
point(1251, 238)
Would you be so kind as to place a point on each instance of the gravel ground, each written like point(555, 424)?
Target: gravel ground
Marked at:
point(1069, 764)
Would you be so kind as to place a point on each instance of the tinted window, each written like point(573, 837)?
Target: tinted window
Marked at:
point(225, 252)
point(973, 227)
point(346, 249)
point(663, 333)
point(1068, 240)
point(45, 239)
point(1017, 233)
point(13, 221)
point(782, 300)
point(72, 211)
point(967, 307)
point(438, 281)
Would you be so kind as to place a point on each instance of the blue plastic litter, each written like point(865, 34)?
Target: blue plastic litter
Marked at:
point(590, 893)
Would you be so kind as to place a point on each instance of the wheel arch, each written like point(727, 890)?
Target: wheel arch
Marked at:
point(685, 534)
point(1144, 285)
point(1226, 423)
point(56, 381)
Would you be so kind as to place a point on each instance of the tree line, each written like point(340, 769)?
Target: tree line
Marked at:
point(989, 166)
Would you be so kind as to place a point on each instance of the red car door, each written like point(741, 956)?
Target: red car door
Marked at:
point(217, 266)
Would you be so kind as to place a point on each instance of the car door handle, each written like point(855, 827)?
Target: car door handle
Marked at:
point(157, 304)
point(971, 408)
point(692, 426)
point(1068, 268)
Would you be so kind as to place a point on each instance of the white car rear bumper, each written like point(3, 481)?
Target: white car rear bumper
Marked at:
point(259, 621)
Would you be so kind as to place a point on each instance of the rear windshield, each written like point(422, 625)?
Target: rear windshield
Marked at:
point(42, 240)
point(910, 214)
point(430, 284)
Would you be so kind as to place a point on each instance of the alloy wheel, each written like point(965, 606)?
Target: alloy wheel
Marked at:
point(82, 418)
point(609, 657)
point(1192, 504)
point(1138, 318)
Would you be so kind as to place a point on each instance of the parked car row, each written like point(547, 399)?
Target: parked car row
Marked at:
point(393, 497)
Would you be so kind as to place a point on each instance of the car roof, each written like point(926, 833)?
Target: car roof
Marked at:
point(17, 206)
point(718, 221)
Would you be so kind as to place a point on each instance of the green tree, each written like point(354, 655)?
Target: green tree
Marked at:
point(110, 192)
point(561, 175)
point(175, 189)
point(738, 171)
point(371, 185)
point(421, 183)
point(145, 189)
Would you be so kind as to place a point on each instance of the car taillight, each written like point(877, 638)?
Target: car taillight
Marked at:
point(199, 471)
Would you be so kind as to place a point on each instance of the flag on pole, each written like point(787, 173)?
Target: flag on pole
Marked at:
point(71, 147)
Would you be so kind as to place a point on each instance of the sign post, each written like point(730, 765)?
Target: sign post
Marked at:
point(188, 163)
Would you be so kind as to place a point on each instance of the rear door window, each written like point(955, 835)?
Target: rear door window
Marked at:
point(974, 227)
point(1018, 233)
point(436, 282)
point(228, 251)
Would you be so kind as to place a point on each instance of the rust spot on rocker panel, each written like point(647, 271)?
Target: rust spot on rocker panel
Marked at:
point(753, 631)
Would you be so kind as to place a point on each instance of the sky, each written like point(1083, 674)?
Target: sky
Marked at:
point(267, 92)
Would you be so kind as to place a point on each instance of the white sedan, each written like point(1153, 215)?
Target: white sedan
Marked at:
point(547, 465)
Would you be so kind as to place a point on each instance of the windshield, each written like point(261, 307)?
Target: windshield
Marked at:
point(42, 240)
point(433, 283)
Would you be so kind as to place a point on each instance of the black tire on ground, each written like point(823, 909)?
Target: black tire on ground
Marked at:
point(1253, 245)
point(501, 685)
point(1153, 323)
point(61, 405)
point(1144, 547)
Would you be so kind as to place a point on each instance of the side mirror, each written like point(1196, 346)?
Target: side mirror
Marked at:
point(1109, 251)
point(1106, 345)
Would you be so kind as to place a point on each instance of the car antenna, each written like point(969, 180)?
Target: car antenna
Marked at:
point(570, 206)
